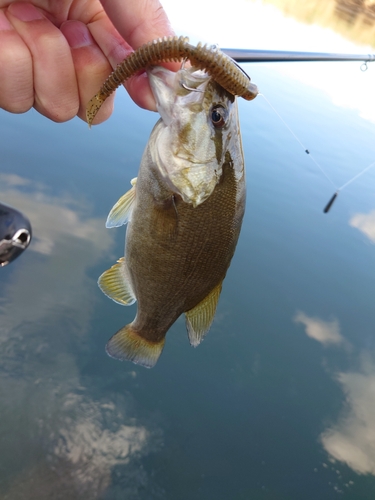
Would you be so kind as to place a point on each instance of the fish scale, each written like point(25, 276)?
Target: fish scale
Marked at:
point(192, 262)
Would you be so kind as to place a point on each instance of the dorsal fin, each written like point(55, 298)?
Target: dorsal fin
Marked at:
point(121, 211)
point(115, 283)
point(199, 319)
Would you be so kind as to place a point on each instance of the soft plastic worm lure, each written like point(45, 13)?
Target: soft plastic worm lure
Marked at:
point(223, 69)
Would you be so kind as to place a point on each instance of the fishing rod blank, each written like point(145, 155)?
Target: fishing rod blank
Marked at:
point(246, 55)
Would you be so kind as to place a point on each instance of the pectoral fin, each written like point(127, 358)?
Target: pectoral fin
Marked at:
point(126, 344)
point(115, 283)
point(199, 319)
point(121, 211)
point(166, 214)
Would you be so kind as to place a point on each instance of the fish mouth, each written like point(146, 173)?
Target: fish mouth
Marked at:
point(166, 85)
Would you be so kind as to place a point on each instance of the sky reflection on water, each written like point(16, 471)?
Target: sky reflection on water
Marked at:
point(56, 441)
point(351, 439)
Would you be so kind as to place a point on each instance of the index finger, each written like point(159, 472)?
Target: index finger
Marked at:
point(138, 21)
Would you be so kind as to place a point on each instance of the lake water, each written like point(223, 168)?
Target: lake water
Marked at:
point(278, 402)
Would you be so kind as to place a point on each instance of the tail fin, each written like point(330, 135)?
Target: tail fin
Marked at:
point(128, 345)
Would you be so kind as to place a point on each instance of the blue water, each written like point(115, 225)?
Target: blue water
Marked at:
point(278, 403)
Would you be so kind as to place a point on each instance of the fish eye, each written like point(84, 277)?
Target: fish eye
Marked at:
point(218, 116)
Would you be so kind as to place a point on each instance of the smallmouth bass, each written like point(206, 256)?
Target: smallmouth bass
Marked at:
point(184, 214)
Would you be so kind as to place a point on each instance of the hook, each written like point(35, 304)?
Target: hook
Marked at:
point(189, 88)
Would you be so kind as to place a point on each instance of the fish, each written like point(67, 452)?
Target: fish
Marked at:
point(183, 213)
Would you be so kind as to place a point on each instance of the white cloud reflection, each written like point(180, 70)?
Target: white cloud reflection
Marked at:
point(365, 223)
point(52, 218)
point(57, 438)
point(352, 439)
point(70, 445)
point(68, 242)
point(325, 332)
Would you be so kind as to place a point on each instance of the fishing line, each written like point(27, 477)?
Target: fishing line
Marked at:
point(299, 142)
point(356, 176)
point(337, 189)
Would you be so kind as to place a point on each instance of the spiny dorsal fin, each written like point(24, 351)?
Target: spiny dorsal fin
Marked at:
point(126, 344)
point(121, 211)
point(199, 319)
point(115, 283)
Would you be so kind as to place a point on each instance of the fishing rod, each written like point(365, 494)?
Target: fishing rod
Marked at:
point(247, 55)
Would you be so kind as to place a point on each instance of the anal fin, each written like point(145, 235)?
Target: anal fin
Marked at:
point(121, 211)
point(199, 319)
point(128, 345)
point(115, 283)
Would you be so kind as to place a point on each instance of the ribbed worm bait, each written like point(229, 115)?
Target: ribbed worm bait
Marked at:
point(223, 69)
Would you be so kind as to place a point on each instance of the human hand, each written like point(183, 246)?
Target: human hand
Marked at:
point(55, 54)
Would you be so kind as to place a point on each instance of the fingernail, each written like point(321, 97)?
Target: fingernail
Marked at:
point(77, 34)
point(25, 11)
point(4, 23)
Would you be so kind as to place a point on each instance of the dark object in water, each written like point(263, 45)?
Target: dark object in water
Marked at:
point(330, 203)
point(15, 234)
